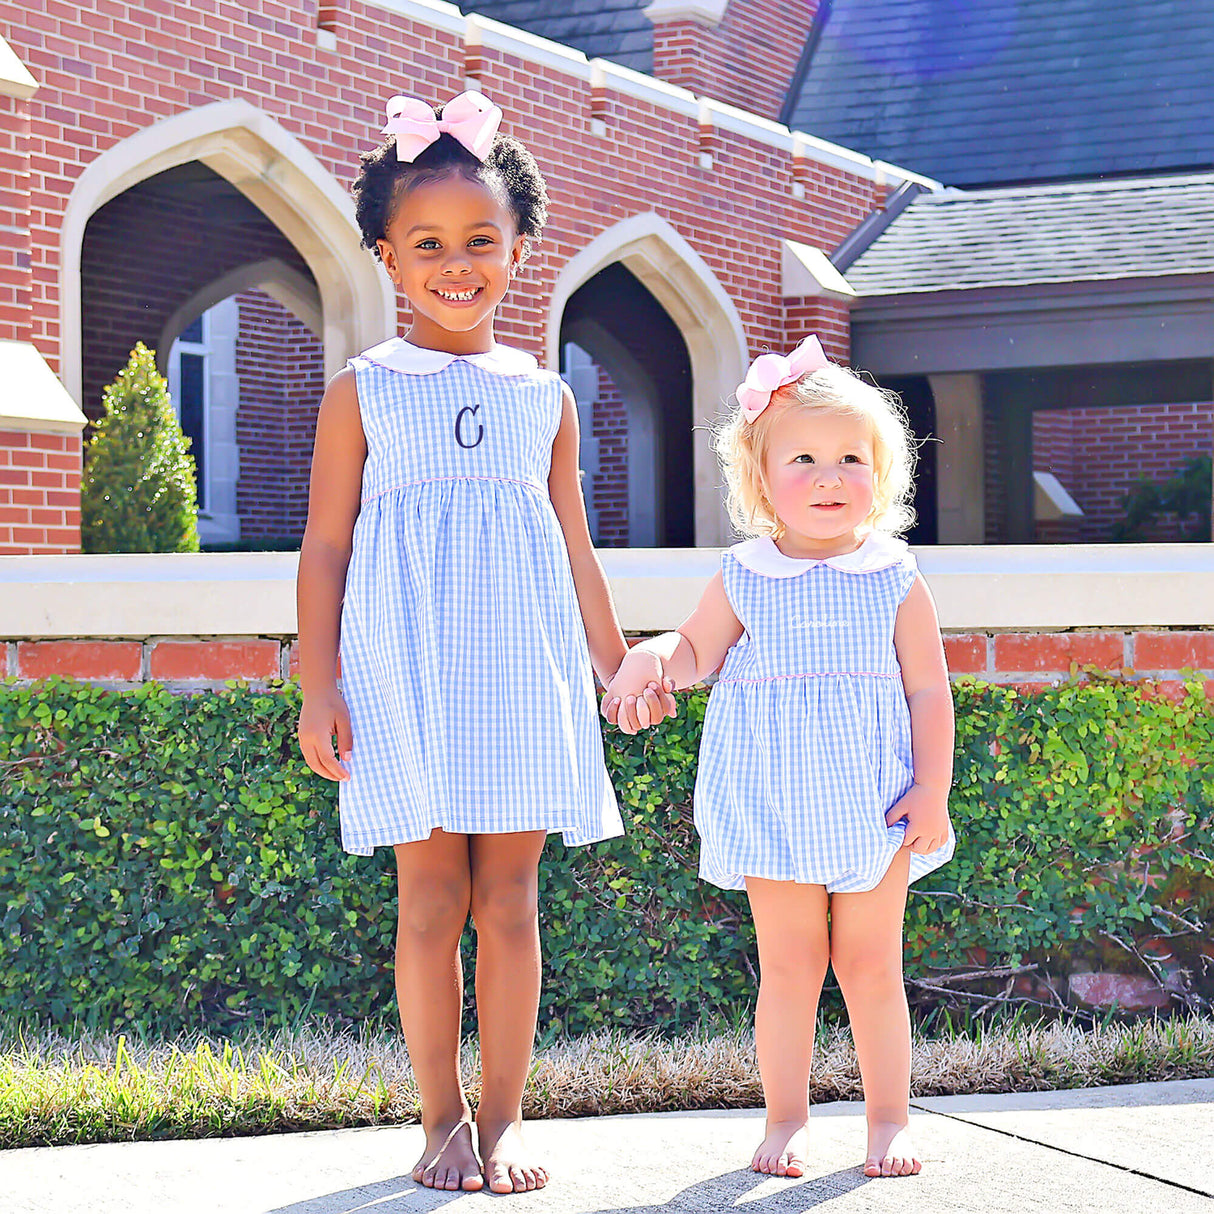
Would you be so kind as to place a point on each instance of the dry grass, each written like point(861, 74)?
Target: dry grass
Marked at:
point(56, 1090)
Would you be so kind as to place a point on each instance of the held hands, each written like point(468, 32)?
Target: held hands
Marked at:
point(639, 693)
point(926, 814)
point(321, 718)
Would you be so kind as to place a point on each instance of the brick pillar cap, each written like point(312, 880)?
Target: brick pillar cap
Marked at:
point(706, 12)
point(15, 78)
point(34, 399)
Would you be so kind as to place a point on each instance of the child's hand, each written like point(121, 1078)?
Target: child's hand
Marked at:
point(633, 713)
point(639, 694)
point(926, 814)
point(320, 718)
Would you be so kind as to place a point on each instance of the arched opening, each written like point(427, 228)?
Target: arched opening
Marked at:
point(219, 228)
point(688, 295)
point(246, 372)
point(636, 377)
point(286, 185)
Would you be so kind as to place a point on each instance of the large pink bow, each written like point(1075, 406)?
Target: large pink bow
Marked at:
point(771, 371)
point(471, 118)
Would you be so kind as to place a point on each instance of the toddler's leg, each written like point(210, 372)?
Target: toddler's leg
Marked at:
point(866, 951)
point(790, 922)
point(434, 881)
point(505, 880)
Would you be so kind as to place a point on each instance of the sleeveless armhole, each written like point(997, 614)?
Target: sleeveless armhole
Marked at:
point(908, 571)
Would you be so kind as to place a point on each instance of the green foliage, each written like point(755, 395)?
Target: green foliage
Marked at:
point(139, 492)
point(1185, 494)
point(168, 860)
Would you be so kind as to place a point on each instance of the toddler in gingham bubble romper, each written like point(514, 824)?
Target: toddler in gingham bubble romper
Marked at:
point(447, 551)
point(826, 755)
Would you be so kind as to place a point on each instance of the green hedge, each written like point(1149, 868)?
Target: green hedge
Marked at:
point(167, 859)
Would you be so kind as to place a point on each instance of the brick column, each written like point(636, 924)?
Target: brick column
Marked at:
point(740, 51)
point(17, 86)
point(40, 457)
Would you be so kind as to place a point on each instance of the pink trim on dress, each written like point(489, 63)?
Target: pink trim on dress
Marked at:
point(438, 480)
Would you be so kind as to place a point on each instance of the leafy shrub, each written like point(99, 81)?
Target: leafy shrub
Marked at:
point(139, 492)
point(168, 859)
point(1184, 497)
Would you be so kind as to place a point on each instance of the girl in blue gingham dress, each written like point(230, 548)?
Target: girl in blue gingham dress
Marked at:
point(447, 554)
point(826, 754)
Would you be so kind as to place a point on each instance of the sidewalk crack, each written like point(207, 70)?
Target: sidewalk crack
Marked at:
point(1049, 1146)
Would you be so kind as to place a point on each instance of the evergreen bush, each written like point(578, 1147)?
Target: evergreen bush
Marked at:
point(139, 492)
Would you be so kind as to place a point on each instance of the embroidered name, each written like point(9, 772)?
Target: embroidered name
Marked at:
point(463, 432)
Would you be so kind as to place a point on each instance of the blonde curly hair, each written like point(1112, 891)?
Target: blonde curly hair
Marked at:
point(741, 446)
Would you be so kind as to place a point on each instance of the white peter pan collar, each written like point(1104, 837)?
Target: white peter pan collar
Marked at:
point(878, 551)
point(399, 355)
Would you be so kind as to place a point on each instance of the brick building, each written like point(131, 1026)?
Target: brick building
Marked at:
point(162, 158)
point(1051, 314)
point(178, 174)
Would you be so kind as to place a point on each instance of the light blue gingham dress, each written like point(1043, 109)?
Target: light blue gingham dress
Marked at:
point(807, 739)
point(463, 655)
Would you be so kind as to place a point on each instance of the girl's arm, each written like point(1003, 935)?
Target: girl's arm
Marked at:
point(333, 502)
point(603, 635)
point(929, 696)
point(684, 657)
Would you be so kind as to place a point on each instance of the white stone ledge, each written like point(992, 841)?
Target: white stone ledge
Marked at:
point(977, 589)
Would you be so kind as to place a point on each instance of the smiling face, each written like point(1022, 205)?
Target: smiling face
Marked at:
point(819, 476)
point(452, 249)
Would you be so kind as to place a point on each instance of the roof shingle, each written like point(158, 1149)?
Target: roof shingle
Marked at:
point(1015, 91)
point(608, 29)
point(1043, 234)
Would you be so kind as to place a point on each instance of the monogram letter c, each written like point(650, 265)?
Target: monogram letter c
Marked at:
point(471, 411)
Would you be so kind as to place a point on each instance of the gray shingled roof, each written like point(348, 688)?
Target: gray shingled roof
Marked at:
point(607, 29)
point(1042, 234)
point(990, 92)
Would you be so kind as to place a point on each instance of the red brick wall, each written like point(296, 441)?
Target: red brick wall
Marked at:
point(1025, 659)
point(1034, 658)
point(829, 319)
point(39, 493)
point(14, 220)
point(280, 365)
point(610, 487)
point(748, 60)
point(110, 69)
point(1099, 454)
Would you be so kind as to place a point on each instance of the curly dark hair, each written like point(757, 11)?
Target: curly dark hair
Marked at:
point(383, 180)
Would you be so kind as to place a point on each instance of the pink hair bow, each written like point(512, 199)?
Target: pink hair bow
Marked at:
point(471, 118)
point(771, 371)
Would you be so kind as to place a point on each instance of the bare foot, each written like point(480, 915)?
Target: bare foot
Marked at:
point(449, 1162)
point(509, 1166)
point(890, 1151)
point(782, 1152)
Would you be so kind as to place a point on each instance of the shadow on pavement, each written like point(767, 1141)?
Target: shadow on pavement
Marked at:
point(721, 1192)
point(401, 1196)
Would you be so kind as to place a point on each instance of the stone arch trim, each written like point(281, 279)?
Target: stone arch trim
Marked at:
point(277, 279)
point(282, 178)
point(683, 283)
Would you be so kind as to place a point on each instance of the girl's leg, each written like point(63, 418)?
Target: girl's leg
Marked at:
point(434, 880)
point(505, 880)
point(866, 951)
point(790, 922)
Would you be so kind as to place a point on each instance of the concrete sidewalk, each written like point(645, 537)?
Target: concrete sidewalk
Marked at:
point(1144, 1148)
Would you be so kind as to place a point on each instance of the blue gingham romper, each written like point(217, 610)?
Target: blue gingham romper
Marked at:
point(807, 739)
point(463, 654)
